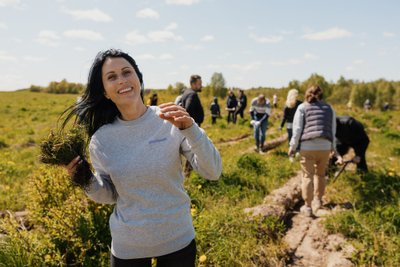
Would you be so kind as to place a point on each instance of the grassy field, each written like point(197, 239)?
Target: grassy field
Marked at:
point(225, 237)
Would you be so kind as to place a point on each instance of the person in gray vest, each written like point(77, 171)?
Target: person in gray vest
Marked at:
point(314, 125)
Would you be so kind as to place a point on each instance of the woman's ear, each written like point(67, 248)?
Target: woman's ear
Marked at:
point(106, 96)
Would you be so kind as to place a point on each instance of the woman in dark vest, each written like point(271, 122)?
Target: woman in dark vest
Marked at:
point(314, 126)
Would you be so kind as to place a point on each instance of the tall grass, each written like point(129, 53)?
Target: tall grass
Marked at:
point(67, 228)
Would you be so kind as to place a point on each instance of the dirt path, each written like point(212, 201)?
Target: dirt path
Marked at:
point(308, 242)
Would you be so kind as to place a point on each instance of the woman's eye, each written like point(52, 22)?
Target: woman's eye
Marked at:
point(111, 77)
point(127, 73)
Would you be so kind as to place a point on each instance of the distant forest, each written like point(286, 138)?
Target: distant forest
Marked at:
point(344, 91)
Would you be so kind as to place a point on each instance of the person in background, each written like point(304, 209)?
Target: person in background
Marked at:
point(367, 105)
point(260, 110)
point(242, 104)
point(215, 111)
point(231, 104)
point(314, 125)
point(154, 100)
point(275, 100)
point(191, 101)
point(288, 113)
point(136, 153)
point(350, 133)
point(178, 99)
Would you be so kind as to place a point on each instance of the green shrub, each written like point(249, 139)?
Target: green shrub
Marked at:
point(3, 144)
point(251, 163)
point(72, 230)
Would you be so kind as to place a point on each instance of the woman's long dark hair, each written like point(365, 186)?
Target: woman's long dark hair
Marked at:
point(94, 110)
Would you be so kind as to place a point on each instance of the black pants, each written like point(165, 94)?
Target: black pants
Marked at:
point(231, 116)
point(182, 258)
point(359, 149)
point(240, 112)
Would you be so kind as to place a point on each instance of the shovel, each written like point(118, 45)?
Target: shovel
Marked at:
point(338, 172)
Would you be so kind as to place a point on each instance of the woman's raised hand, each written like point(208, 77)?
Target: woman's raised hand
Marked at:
point(176, 115)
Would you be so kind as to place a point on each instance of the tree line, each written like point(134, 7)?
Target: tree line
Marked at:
point(343, 91)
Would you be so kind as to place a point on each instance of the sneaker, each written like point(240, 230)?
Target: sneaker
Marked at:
point(316, 204)
point(307, 211)
point(256, 149)
point(261, 152)
point(291, 159)
point(297, 155)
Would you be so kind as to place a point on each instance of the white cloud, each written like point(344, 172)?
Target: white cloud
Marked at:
point(293, 61)
point(350, 68)
point(163, 36)
point(207, 38)
point(310, 56)
point(171, 26)
point(83, 34)
point(182, 2)
point(4, 3)
point(333, 33)
point(194, 47)
point(252, 66)
point(134, 38)
point(5, 56)
point(147, 13)
point(34, 59)
point(3, 26)
point(166, 57)
point(90, 14)
point(358, 61)
point(266, 39)
point(242, 67)
point(49, 38)
point(145, 57)
point(79, 49)
point(389, 34)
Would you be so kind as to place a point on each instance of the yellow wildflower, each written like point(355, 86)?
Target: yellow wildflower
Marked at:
point(202, 258)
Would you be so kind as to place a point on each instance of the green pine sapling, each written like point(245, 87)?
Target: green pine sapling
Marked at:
point(60, 148)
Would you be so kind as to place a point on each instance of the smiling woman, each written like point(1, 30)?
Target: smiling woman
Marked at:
point(136, 153)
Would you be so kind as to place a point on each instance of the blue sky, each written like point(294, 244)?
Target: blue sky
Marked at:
point(252, 43)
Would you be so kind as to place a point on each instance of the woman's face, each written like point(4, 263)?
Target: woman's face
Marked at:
point(121, 83)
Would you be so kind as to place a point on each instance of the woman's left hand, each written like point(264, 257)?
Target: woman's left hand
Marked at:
point(176, 115)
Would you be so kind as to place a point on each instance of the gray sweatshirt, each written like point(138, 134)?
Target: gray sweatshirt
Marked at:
point(138, 167)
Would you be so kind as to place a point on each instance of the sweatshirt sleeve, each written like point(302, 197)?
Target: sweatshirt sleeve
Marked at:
point(201, 153)
point(298, 124)
point(101, 189)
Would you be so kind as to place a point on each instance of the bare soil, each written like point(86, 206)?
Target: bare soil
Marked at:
point(308, 243)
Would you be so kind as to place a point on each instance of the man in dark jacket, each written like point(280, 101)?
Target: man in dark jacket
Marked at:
point(191, 101)
point(242, 104)
point(351, 133)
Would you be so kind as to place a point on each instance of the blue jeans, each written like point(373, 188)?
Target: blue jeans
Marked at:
point(259, 133)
